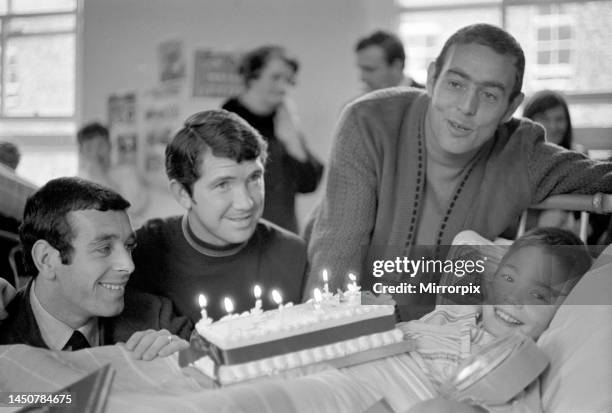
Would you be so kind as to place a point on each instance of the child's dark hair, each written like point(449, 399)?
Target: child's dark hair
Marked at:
point(560, 243)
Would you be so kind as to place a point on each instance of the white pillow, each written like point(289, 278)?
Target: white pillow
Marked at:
point(579, 344)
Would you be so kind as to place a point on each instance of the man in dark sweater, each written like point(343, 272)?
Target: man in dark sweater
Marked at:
point(77, 242)
point(221, 247)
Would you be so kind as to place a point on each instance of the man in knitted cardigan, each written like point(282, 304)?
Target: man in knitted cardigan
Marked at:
point(413, 169)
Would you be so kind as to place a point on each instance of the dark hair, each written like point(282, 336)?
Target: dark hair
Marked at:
point(253, 62)
point(9, 154)
point(46, 214)
point(547, 99)
point(390, 43)
point(562, 244)
point(223, 133)
point(92, 131)
point(491, 36)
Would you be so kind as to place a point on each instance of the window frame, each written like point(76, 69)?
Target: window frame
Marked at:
point(4, 39)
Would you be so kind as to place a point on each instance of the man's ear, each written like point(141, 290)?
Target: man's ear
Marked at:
point(46, 258)
point(516, 102)
point(180, 194)
point(431, 78)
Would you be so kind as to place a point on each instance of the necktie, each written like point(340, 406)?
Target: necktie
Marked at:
point(77, 342)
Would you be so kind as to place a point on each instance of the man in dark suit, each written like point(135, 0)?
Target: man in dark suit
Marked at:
point(77, 242)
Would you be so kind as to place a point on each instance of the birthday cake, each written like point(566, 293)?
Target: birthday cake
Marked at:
point(262, 343)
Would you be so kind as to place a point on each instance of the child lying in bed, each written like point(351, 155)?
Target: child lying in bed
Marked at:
point(533, 278)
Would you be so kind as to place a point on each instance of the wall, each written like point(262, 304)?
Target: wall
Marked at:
point(120, 38)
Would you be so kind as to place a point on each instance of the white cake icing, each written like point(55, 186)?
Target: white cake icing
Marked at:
point(234, 332)
point(237, 331)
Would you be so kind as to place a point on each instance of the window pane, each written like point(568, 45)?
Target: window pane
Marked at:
point(424, 33)
point(586, 56)
point(564, 56)
point(33, 6)
point(544, 57)
point(565, 32)
point(42, 24)
point(544, 9)
point(3, 6)
point(543, 33)
point(40, 76)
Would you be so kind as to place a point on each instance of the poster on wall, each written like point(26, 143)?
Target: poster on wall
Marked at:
point(161, 117)
point(123, 128)
point(171, 61)
point(216, 74)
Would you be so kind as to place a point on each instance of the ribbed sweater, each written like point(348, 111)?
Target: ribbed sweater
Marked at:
point(375, 187)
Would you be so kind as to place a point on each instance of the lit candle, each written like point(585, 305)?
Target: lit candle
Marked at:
point(325, 276)
point(229, 305)
point(353, 284)
point(277, 298)
point(203, 303)
point(257, 294)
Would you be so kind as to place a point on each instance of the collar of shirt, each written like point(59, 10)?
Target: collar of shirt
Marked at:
point(56, 333)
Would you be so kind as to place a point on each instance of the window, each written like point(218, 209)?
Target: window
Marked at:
point(566, 44)
point(424, 32)
point(38, 84)
point(554, 42)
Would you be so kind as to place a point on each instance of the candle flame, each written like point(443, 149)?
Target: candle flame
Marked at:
point(277, 297)
point(202, 301)
point(318, 296)
point(229, 305)
point(352, 277)
point(325, 276)
point(257, 291)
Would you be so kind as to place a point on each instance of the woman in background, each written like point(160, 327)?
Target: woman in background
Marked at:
point(550, 109)
point(268, 74)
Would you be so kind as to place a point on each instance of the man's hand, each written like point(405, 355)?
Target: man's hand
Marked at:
point(7, 293)
point(286, 125)
point(149, 344)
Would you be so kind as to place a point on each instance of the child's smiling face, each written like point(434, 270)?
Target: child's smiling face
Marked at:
point(527, 289)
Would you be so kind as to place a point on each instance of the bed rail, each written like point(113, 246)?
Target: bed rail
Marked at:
point(585, 204)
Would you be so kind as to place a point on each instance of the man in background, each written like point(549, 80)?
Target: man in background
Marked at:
point(95, 154)
point(381, 59)
point(95, 165)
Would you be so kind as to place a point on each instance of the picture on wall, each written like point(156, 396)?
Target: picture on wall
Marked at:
point(123, 128)
point(216, 74)
point(171, 61)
